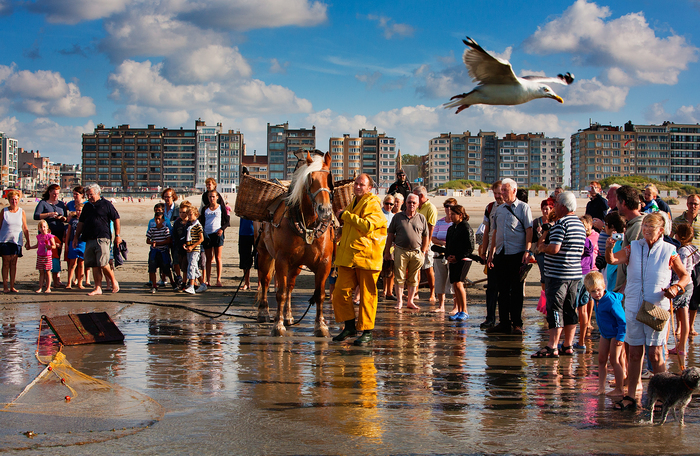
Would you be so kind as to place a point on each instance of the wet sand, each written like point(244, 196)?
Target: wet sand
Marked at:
point(425, 386)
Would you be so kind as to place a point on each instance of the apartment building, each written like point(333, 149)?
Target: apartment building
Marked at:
point(207, 152)
point(531, 159)
point(38, 172)
point(8, 163)
point(70, 176)
point(282, 143)
point(369, 152)
point(257, 165)
point(231, 149)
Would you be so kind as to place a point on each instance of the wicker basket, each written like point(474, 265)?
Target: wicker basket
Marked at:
point(342, 194)
point(254, 197)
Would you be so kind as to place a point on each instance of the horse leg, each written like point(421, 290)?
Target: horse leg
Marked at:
point(266, 266)
point(320, 328)
point(281, 283)
point(288, 317)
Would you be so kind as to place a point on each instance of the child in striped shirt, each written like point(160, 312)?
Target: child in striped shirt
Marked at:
point(195, 237)
point(158, 237)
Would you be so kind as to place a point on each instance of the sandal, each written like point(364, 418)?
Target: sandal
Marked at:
point(567, 351)
point(619, 405)
point(546, 352)
point(673, 351)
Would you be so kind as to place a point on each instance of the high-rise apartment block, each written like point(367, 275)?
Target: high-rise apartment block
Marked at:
point(147, 158)
point(282, 143)
point(666, 152)
point(528, 159)
point(8, 163)
point(369, 152)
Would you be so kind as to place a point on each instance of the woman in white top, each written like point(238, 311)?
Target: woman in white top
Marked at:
point(13, 222)
point(215, 220)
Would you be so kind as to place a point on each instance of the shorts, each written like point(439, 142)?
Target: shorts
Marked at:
point(97, 252)
point(407, 265)
point(459, 270)
point(43, 263)
point(10, 248)
point(214, 240)
point(333, 276)
point(193, 271)
point(640, 334)
point(56, 265)
point(157, 259)
point(561, 298)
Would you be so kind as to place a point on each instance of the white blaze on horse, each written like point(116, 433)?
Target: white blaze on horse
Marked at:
point(301, 233)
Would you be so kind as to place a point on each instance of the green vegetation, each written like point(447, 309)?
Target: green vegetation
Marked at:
point(639, 182)
point(461, 184)
point(410, 159)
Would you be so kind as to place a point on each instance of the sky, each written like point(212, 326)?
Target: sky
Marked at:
point(68, 65)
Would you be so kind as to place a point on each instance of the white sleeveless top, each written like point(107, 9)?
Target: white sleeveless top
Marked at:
point(212, 220)
point(11, 230)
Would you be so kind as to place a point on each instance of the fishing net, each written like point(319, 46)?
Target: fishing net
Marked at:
point(63, 406)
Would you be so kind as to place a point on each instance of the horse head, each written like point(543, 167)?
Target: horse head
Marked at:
point(319, 187)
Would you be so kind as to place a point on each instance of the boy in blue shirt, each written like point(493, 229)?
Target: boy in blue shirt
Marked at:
point(610, 316)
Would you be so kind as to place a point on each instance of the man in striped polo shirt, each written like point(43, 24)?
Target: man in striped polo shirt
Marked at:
point(562, 271)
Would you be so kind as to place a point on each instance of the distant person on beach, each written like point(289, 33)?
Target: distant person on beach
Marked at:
point(45, 243)
point(401, 186)
point(214, 218)
point(13, 224)
point(94, 227)
point(54, 211)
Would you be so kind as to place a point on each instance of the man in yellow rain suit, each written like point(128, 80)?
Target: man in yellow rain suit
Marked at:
point(359, 260)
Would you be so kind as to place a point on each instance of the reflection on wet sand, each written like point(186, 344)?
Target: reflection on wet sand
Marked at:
point(426, 385)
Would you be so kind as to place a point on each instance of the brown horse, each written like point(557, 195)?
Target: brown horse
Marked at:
point(301, 234)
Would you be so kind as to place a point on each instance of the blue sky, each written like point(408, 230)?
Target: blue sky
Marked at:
point(67, 65)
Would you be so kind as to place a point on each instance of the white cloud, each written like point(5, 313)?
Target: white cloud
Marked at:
point(244, 15)
point(48, 137)
point(391, 29)
point(151, 33)
point(74, 11)
point(657, 114)
point(593, 95)
point(626, 46)
point(142, 84)
point(211, 63)
point(43, 93)
point(277, 67)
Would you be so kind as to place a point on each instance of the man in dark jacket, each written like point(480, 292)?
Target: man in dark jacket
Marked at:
point(401, 186)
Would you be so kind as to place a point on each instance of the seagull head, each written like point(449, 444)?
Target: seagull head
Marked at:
point(546, 92)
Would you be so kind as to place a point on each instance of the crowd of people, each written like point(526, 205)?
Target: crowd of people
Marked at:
point(626, 258)
point(185, 241)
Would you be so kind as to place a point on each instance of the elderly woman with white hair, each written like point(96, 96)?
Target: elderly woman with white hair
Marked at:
point(562, 273)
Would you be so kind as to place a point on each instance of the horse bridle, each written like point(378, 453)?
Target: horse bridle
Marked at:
point(322, 189)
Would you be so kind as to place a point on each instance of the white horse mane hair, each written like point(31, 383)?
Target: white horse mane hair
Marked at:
point(299, 178)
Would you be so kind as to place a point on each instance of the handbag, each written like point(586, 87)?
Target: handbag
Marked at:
point(651, 315)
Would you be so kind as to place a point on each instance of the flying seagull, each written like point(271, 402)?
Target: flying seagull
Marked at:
point(498, 85)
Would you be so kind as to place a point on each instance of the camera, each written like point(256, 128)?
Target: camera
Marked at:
point(546, 226)
point(617, 236)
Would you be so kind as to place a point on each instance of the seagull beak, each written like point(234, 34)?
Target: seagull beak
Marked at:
point(558, 98)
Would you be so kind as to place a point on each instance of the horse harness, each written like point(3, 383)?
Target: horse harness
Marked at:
point(296, 215)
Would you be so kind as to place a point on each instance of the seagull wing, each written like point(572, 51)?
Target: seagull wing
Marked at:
point(485, 68)
point(564, 79)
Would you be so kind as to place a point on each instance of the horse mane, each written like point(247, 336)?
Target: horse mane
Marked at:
point(296, 192)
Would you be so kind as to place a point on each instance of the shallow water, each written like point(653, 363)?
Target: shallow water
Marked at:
point(425, 386)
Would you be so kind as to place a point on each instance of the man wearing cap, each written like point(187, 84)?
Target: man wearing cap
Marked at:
point(400, 186)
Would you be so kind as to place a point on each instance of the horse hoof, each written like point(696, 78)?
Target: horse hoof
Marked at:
point(289, 322)
point(322, 332)
point(262, 318)
point(279, 331)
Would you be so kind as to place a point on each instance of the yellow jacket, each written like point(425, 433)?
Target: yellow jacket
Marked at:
point(362, 241)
